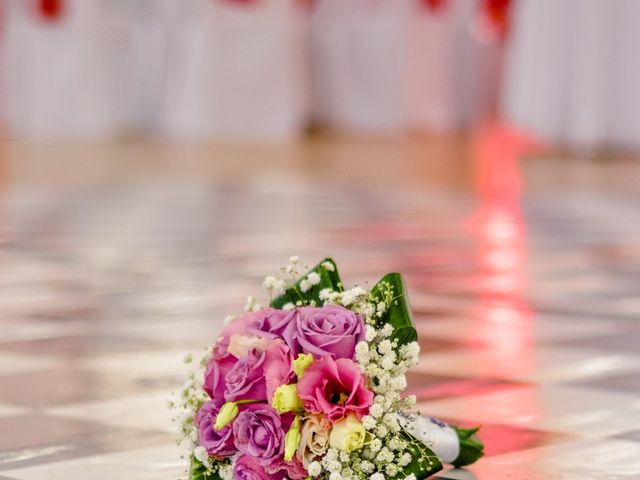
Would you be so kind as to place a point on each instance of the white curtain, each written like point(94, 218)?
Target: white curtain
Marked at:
point(63, 78)
point(393, 65)
point(261, 70)
point(237, 71)
point(571, 73)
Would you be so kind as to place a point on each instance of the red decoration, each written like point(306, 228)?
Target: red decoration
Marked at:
point(435, 5)
point(241, 2)
point(496, 13)
point(50, 9)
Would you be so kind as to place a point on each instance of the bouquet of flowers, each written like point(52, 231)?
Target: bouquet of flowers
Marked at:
point(311, 387)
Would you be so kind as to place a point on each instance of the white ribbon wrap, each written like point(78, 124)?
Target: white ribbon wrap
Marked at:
point(438, 436)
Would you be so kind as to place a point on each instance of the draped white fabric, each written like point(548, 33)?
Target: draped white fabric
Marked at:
point(572, 73)
point(382, 65)
point(263, 70)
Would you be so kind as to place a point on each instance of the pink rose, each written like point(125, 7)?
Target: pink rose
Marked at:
point(334, 388)
point(330, 330)
point(278, 369)
point(219, 365)
point(245, 380)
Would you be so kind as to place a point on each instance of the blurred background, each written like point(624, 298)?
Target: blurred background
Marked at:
point(268, 70)
point(158, 158)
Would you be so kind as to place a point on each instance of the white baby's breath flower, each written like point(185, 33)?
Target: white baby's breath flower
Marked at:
point(226, 472)
point(411, 477)
point(228, 319)
point(385, 347)
point(375, 445)
point(288, 306)
point(368, 422)
point(331, 454)
point(382, 431)
point(305, 286)
point(370, 333)
point(376, 410)
point(201, 455)
point(314, 469)
point(387, 362)
point(386, 331)
point(391, 469)
point(349, 296)
point(410, 400)
point(294, 259)
point(251, 305)
point(327, 295)
point(405, 460)
point(313, 278)
point(328, 266)
point(366, 466)
point(335, 476)
point(362, 347)
point(399, 382)
point(377, 476)
point(269, 282)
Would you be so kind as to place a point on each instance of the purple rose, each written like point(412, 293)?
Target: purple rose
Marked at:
point(259, 432)
point(331, 330)
point(273, 321)
point(247, 468)
point(245, 380)
point(218, 443)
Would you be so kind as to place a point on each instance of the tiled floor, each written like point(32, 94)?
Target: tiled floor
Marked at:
point(527, 307)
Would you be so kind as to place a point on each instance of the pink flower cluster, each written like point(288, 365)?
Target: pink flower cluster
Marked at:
point(254, 356)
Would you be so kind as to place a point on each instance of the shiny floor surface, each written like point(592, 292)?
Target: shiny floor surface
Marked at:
point(526, 301)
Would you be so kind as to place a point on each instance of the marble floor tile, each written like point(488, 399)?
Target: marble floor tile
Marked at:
point(526, 303)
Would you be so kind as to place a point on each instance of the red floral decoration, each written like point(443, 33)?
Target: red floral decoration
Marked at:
point(435, 5)
point(496, 12)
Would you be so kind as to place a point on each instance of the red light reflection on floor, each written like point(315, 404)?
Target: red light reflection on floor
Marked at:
point(504, 324)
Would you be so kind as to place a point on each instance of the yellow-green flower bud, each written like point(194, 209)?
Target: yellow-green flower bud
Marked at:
point(226, 415)
point(292, 439)
point(301, 363)
point(285, 399)
point(347, 434)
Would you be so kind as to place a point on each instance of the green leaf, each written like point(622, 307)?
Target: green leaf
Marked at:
point(471, 447)
point(398, 313)
point(199, 472)
point(328, 279)
point(424, 462)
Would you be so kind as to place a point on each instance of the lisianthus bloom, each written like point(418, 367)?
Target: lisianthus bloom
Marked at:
point(259, 431)
point(347, 434)
point(314, 439)
point(245, 380)
point(248, 468)
point(330, 330)
point(218, 443)
point(334, 388)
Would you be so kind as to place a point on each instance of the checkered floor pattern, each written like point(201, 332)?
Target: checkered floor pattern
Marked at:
point(528, 313)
